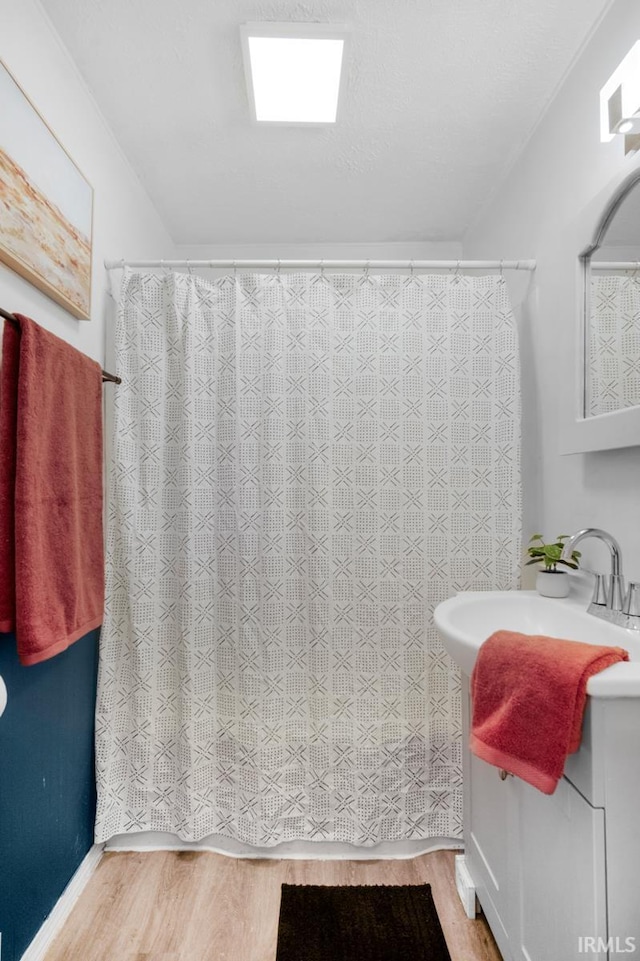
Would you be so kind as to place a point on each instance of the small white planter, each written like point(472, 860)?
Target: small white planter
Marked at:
point(552, 583)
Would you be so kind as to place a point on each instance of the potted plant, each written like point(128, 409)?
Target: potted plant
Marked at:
point(551, 582)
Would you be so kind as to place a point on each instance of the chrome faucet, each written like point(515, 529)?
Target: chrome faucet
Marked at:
point(610, 600)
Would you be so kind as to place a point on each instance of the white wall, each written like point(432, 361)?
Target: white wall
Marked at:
point(53, 837)
point(417, 250)
point(426, 250)
point(125, 222)
point(535, 213)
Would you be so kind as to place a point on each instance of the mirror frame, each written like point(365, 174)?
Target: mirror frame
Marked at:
point(615, 429)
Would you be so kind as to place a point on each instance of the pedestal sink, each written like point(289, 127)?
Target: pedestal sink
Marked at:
point(468, 619)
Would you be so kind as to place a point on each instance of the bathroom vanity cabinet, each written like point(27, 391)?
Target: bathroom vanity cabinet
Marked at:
point(551, 871)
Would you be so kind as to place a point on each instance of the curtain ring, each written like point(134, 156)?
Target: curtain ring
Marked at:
point(366, 269)
point(502, 270)
point(632, 273)
point(189, 268)
point(456, 276)
point(235, 269)
point(322, 269)
point(278, 269)
point(411, 267)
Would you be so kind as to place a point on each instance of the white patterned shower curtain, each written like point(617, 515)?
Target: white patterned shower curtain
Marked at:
point(303, 466)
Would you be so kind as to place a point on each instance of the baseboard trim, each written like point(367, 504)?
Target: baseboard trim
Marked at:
point(465, 886)
point(62, 908)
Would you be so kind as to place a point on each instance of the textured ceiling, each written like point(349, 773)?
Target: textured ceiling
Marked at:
point(439, 96)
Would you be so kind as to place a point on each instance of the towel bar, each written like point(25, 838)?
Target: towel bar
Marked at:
point(105, 375)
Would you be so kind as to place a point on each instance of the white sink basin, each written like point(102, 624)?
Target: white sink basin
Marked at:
point(468, 619)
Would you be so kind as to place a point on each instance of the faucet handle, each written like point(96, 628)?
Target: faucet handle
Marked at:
point(632, 600)
point(616, 594)
point(600, 589)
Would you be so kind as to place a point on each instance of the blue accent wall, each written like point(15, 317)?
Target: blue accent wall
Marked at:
point(47, 784)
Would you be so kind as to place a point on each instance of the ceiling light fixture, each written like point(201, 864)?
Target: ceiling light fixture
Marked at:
point(293, 71)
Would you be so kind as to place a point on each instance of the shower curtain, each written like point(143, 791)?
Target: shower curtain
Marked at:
point(613, 351)
point(304, 465)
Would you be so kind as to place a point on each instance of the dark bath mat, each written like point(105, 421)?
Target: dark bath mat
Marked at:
point(359, 923)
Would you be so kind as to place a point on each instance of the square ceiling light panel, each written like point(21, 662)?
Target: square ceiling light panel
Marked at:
point(293, 71)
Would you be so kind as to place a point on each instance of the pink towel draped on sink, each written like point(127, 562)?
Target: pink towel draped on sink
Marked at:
point(51, 545)
point(529, 694)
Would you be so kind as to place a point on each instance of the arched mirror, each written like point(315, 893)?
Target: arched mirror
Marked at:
point(611, 376)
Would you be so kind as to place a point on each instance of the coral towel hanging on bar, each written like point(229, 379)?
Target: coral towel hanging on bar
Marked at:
point(51, 545)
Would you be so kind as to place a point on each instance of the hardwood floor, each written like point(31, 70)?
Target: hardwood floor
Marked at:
point(200, 906)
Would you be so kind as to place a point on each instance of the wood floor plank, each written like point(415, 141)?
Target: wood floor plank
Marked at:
point(200, 906)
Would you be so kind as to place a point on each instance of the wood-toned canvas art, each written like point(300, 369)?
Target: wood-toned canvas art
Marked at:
point(45, 204)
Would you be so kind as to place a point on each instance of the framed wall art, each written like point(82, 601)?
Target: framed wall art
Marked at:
point(46, 204)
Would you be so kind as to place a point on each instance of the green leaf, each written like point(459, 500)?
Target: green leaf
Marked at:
point(551, 554)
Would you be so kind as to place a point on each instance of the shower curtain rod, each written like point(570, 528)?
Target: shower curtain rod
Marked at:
point(105, 375)
point(332, 264)
point(615, 265)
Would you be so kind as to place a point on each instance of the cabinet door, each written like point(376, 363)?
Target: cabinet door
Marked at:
point(487, 845)
point(560, 876)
